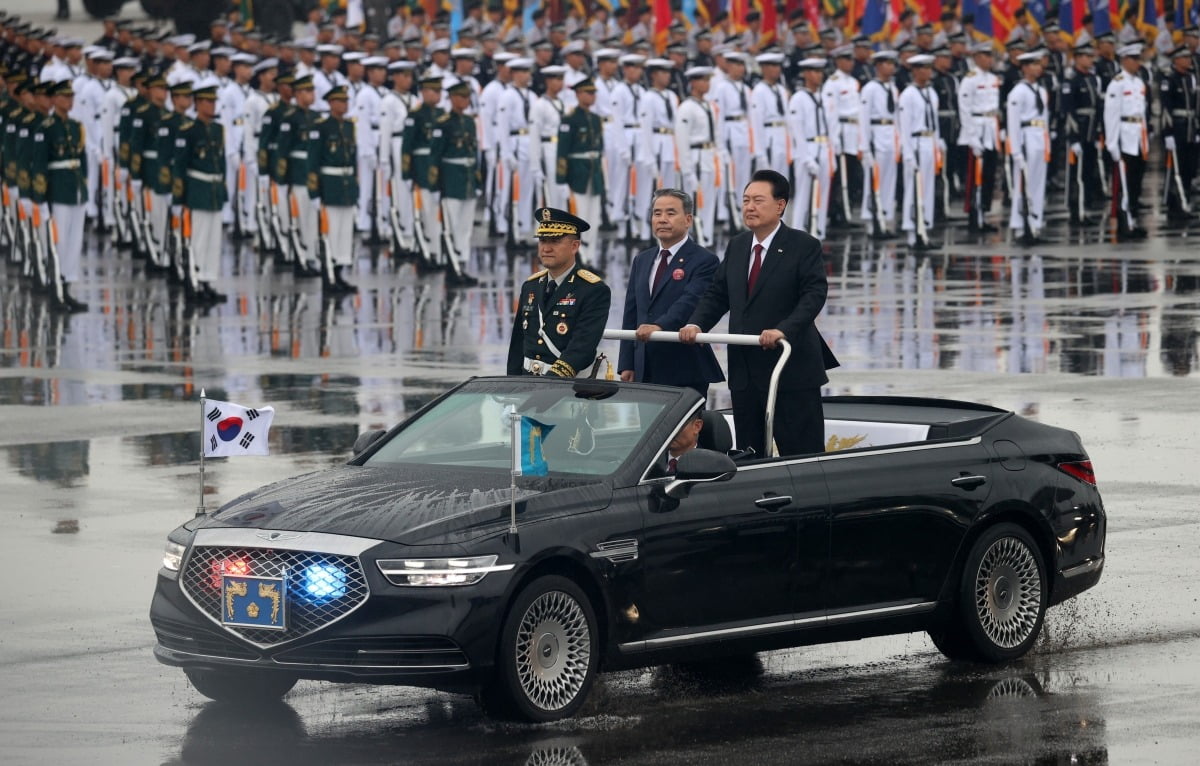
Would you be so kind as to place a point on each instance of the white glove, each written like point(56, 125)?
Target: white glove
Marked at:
point(1076, 150)
point(1169, 142)
point(942, 145)
point(1018, 162)
point(976, 148)
point(1115, 153)
point(868, 161)
point(812, 167)
point(909, 158)
point(316, 204)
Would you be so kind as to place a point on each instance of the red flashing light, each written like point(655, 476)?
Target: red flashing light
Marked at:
point(222, 567)
point(1081, 470)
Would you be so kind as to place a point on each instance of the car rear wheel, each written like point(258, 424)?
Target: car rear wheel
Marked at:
point(1001, 599)
point(244, 687)
point(547, 658)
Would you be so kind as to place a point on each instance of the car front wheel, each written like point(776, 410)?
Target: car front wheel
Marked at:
point(547, 658)
point(1001, 599)
point(246, 687)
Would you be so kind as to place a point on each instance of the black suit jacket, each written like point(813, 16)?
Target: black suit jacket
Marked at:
point(788, 295)
point(689, 274)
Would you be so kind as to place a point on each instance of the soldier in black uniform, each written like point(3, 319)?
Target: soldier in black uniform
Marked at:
point(863, 71)
point(945, 84)
point(561, 309)
point(1106, 61)
point(1180, 100)
point(1081, 105)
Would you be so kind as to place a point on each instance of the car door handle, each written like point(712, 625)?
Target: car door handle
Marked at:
point(969, 482)
point(773, 502)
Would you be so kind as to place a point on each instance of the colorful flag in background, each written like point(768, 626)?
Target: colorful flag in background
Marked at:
point(1101, 16)
point(662, 20)
point(874, 19)
point(982, 9)
point(231, 430)
point(1070, 16)
point(1147, 18)
point(528, 458)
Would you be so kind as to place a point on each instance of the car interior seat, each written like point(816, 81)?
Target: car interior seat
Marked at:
point(715, 434)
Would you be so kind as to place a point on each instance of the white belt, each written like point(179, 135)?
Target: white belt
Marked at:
point(299, 154)
point(420, 152)
point(329, 170)
point(63, 165)
point(151, 155)
point(464, 161)
point(584, 155)
point(212, 178)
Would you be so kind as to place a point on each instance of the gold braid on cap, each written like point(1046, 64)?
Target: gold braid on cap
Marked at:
point(556, 229)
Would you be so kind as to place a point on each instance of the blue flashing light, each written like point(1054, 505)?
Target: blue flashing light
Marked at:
point(324, 582)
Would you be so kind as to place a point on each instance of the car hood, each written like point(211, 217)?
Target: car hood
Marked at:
point(414, 505)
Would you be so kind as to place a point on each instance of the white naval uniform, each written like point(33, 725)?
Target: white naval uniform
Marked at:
point(841, 94)
point(919, 137)
point(737, 144)
point(879, 101)
point(979, 111)
point(768, 111)
point(696, 143)
point(231, 102)
point(394, 110)
point(608, 109)
point(89, 97)
point(253, 110)
point(513, 124)
point(115, 99)
point(489, 144)
point(365, 111)
point(570, 78)
point(546, 116)
point(634, 169)
point(658, 128)
point(1125, 133)
point(808, 125)
point(1029, 138)
point(323, 82)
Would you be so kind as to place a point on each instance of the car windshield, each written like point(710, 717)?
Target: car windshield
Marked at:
point(586, 428)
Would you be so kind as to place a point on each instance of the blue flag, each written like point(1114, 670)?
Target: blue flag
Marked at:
point(529, 458)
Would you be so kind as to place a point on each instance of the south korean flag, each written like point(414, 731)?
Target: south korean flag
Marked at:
point(232, 430)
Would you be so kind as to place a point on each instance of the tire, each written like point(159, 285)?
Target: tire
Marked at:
point(1001, 599)
point(246, 687)
point(547, 657)
point(98, 9)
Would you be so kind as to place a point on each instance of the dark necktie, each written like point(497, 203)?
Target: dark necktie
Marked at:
point(712, 131)
point(667, 101)
point(671, 466)
point(1037, 97)
point(525, 100)
point(778, 101)
point(741, 89)
point(548, 294)
point(754, 269)
point(661, 271)
point(929, 118)
point(891, 98)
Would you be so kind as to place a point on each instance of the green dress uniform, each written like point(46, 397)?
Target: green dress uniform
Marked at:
point(579, 166)
point(573, 316)
point(333, 179)
point(454, 155)
point(416, 166)
point(169, 128)
point(290, 166)
point(199, 185)
point(125, 128)
point(14, 113)
point(58, 176)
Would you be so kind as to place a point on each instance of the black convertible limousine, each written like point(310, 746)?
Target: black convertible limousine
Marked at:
point(423, 561)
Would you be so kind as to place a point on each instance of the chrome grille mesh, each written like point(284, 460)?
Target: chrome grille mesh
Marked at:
point(202, 582)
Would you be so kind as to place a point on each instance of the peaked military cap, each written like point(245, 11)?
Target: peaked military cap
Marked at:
point(460, 88)
point(62, 88)
point(553, 222)
point(586, 85)
point(300, 83)
point(183, 88)
point(207, 93)
point(336, 93)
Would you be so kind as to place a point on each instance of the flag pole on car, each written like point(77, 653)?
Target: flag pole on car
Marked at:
point(514, 427)
point(200, 509)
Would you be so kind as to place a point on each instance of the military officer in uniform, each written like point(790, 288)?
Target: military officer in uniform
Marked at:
point(454, 156)
point(199, 186)
point(768, 107)
point(1082, 101)
point(808, 125)
point(416, 166)
point(1027, 113)
point(879, 99)
point(161, 179)
point(144, 162)
point(396, 105)
point(979, 116)
point(580, 159)
point(921, 144)
point(841, 94)
point(1126, 140)
point(562, 309)
point(1178, 96)
point(696, 144)
point(59, 177)
point(332, 154)
point(546, 117)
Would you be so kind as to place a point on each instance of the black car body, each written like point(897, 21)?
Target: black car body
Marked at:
point(969, 532)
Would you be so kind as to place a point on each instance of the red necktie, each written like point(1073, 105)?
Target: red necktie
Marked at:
point(661, 271)
point(671, 466)
point(754, 269)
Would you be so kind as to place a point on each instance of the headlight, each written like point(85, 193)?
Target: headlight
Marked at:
point(448, 571)
point(173, 556)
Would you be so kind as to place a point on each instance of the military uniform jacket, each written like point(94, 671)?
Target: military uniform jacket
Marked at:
point(454, 155)
point(143, 133)
point(1081, 102)
point(1179, 104)
point(27, 130)
point(580, 152)
point(58, 162)
point(416, 163)
point(332, 157)
point(14, 113)
point(200, 166)
point(268, 142)
point(293, 140)
point(573, 317)
point(169, 128)
point(125, 128)
point(946, 87)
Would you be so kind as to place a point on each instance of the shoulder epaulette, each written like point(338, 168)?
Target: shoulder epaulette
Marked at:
point(1120, 76)
point(538, 275)
point(443, 118)
point(144, 107)
point(186, 124)
point(588, 276)
point(322, 118)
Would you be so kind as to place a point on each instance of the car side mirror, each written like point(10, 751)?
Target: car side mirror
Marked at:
point(365, 440)
point(699, 466)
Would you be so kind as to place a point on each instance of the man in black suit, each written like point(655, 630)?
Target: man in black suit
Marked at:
point(665, 284)
point(772, 284)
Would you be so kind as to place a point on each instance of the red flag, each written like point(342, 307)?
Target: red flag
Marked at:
point(662, 20)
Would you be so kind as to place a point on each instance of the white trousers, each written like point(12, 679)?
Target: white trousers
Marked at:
point(93, 180)
point(641, 187)
point(307, 220)
point(808, 185)
point(341, 233)
point(551, 193)
point(521, 196)
point(69, 220)
point(775, 149)
point(277, 200)
point(402, 201)
point(700, 181)
point(920, 171)
point(498, 179)
point(367, 165)
point(426, 205)
point(1031, 187)
point(619, 198)
point(461, 215)
point(588, 207)
point(206, 244)
point(666, 174)
point(886, 166)
point(248, 197)
point(735, 175)
point(159, 212)
point(231, 190)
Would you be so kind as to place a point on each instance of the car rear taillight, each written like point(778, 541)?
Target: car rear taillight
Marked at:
point(1081, 470)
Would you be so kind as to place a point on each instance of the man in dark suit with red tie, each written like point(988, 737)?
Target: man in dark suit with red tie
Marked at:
point(665, 284)
point(772, 284)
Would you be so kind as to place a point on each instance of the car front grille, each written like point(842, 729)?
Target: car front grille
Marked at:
point(201, 580)
point(183, 637)
point(407, 652)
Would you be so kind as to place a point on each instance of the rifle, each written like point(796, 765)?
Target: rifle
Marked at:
point(514, 202)
point(120, 209)
point(730, 192)
point(240, 193)
point(260, 217)
point(944, 174)
point(448, 232)
point(277, 233)
point(186, 256)
point(545, 175)
point(295, 243)
point(36, 258)
point(153, 249)
point(133, 205)
point(324, 256)
point(875, 200)
point(103, 193)
point(814, 205)
point(53, 272)
point(1100, 169)
point(176, 256)
point(1125, 193)
point(919, 207)
point(977, 203)
point(419, 223)
point(6, 223)
point(1027, 233)
point(698, 219)
point(1173, 165)
point(844, 184)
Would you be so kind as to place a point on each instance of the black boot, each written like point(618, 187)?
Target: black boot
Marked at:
point(339, 281)
point(70, 302)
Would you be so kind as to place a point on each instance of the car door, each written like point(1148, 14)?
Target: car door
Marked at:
point(731, 555)
point(898, 516)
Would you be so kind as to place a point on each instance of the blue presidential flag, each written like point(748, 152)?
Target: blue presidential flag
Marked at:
point(528, 458)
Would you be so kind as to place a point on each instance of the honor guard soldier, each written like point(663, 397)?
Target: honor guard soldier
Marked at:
point(199, 186)
point(332, 155)
point(658, 107)
point(366, 110)
point(128, 179)
point(562, 309)
point(454, 156)
point(768, 109)
point(1127, 143)
point(979, 116)
point(257, 192)
point(841, 94)
point(59, 177)
point(144, 162)
point(808, 124)
point(396, 105)
point(921, 149)
point(580, 160)
point(945, 84)
point(12, 114)
point(1178, 97)
point(696, 143)
point(606, 107)
point(516, 154)
point(161, 180)
point(547, 116)
point(293, 142)
point(1027, 116)
point(1082, 102)
point(112, 107)
point(731, 98)
point(879, 99)
point(635, 168)
point(416, 165)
